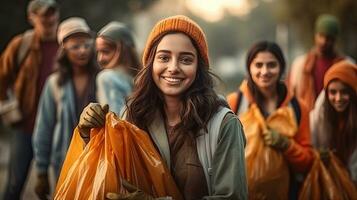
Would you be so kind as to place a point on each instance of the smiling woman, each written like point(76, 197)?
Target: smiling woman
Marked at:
point(198, 137)
point(333, 120)
point(175, 65)
point(275, 124)
point(265, 70)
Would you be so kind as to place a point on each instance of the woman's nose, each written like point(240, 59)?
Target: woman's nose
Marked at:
point(173, 66)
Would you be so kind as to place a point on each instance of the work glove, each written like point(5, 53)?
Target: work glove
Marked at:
point(42, 188)
point(92, 116)
point(134, 194)
point(276, 140)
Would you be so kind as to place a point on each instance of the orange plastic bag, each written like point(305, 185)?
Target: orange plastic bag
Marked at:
point(119, 150)
point(325, 183)
point(267, 171)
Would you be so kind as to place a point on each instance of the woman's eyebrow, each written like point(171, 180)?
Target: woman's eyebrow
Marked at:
point(187, 53)
point(163, 51)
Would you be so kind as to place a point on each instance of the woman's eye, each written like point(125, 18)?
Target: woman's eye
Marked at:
point(344, 92)
point(258, 65)
point(187, 60)
point(333, 92)
point(105, 52)
point(163, 58)
point(272, 64)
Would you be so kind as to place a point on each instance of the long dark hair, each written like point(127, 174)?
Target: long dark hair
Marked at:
point(266, 46)
point(129, 58)
point(64, 66)
point(200, 102)
point(343, 140)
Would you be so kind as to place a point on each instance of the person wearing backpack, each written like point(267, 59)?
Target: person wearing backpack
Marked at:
point(199, 138)
point(66, 92)
point(271, 115)
point(24, 66)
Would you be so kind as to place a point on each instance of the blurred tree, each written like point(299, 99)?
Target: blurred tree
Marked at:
point(13, 17)
point(234, 34)
point(302, 14)
point(12, 20)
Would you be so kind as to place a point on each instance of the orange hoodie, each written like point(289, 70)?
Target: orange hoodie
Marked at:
point(299, 154)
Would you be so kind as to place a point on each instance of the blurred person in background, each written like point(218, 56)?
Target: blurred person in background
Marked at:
point(66, 92)
point(334, 118)
point(307, 71)
point(116, 53)
point(173, 100)
point(24, 66)
point(263, 89)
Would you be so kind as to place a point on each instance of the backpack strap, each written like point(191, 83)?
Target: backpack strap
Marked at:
point(24, 47)
point(242, 103)
point(297, 110)
point(239, 99)
point(207, 143)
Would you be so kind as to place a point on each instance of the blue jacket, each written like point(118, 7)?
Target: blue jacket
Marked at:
point(114, 85)
point(55, 121)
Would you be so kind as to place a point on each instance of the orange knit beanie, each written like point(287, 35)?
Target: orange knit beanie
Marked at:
point(178, 23)
point(345, 72)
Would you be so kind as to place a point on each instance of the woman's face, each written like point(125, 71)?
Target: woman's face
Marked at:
point(107, 53)
point(337, 93)
point(175, 64)
point(265, 70)
point(79, 49)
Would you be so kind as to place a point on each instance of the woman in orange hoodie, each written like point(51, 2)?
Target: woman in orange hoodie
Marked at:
point(272, 115)
point(333, 120)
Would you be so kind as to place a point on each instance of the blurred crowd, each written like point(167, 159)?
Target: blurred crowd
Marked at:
point(60, 76)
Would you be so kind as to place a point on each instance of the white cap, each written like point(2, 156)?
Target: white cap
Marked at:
point(71, 26)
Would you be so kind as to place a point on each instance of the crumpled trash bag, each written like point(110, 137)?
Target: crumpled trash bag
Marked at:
point(330, 181)
point(267, 170)
point(119, 150)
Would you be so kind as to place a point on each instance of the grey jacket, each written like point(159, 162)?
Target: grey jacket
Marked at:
point(221, 153)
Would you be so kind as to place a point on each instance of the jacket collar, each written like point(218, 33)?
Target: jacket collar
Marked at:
point(248, 94)
point(158, 134)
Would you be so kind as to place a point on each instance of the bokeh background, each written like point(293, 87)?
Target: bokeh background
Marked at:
point(231, 27)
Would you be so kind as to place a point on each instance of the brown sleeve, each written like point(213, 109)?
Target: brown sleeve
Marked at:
point(299, 154)
point(8, 65)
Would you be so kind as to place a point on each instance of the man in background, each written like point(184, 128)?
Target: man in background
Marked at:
point(307, 71)
point(24, 66)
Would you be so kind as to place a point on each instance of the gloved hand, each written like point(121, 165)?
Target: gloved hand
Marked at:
point(134, 193)
point(42, 188)
point(92, 116)
point(276, 140)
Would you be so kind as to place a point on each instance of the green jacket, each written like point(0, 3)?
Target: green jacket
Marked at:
point(221, 153)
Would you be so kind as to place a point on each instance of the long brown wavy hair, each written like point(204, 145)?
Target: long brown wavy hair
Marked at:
point(200, 102)
point(344, 140)
point(129, 58)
